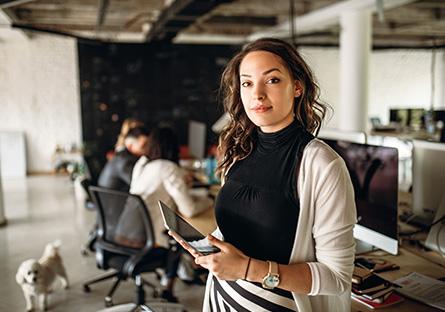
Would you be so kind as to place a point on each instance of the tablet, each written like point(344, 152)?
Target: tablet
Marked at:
point(175, 223)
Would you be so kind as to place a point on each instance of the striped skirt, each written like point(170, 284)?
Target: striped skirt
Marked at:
point(243, 296)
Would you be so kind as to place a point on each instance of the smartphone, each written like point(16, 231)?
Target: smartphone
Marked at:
point(184, 230)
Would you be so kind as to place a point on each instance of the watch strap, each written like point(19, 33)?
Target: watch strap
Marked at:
point(273, 268)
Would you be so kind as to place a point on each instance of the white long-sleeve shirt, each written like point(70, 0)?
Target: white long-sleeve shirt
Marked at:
point(163, 180)
point(324, 237)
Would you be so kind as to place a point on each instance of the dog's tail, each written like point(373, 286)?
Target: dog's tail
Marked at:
point(52, 249)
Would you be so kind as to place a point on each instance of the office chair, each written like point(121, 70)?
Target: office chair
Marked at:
point(127, 262)
point(92, 168)
point(89, 205)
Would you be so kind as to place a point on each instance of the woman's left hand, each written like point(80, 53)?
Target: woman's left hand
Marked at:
point(228, 264)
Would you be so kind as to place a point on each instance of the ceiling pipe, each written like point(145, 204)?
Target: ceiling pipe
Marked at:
point(324, 17)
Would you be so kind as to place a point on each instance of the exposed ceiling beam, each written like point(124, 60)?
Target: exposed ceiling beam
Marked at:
point(102, 12)
point(324, 17)
point(10, 3)
point(166, 15)
point(4, 18)
point(178, 16)
point(208, 39)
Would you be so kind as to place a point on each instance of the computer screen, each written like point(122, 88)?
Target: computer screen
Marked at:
point(408, 117)
point(439, 115)
point(197, 139)
point(416, 118)
point(400, 116)
point(374, 175)
point(428, 178)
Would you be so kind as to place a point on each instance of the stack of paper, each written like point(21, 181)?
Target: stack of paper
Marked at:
point(422, 288)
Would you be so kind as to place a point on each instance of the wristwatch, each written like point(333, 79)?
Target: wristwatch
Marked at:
point(272, 279)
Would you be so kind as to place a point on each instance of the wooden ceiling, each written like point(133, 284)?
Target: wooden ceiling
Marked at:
point(418, 24)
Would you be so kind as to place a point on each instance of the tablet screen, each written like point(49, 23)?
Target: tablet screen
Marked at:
point(174, 222)
point(185, 230)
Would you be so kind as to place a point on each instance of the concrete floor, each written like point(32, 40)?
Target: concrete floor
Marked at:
point(41, 209)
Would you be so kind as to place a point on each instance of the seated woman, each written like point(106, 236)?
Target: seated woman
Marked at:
point(157, 176)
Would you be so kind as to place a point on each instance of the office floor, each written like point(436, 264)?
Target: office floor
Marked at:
point(41, 209)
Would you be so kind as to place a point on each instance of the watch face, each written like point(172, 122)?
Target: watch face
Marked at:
point(272, 281)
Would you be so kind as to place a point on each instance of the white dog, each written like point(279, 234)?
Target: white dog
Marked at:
point(36, 277)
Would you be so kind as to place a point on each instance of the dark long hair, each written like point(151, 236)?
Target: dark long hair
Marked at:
point(163, 144)
point(238, 138)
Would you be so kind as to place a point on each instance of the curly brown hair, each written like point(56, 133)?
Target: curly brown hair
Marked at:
point(239, 138)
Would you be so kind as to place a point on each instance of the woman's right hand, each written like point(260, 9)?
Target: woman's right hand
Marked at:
point(184, 245)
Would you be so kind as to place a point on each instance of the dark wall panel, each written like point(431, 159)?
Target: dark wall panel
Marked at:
point(157, 83)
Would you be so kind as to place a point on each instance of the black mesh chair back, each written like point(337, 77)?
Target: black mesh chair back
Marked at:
point(124, 219)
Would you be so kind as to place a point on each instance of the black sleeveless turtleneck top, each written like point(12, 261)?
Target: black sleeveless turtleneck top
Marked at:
point(257, 208)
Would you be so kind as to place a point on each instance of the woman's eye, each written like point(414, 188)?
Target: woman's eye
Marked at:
point(273, 80)
point(245, 84)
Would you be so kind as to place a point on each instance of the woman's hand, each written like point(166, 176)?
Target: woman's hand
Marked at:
point(228, 264)
point(184, 245)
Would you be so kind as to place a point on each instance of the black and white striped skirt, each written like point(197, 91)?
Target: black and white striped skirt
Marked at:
point(243, 296)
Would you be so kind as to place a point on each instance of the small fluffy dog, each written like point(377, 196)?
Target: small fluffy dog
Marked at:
point(36, 277)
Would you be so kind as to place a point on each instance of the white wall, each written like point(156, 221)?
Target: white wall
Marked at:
point(398, 78)
point(39, 93)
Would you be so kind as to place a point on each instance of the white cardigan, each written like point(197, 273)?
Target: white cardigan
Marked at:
point(162, 179)
point(324, 237)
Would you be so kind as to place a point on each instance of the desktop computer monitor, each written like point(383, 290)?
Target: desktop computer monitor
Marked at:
point(428, 178)
point(408, 117)
point(374, 175)
point(400, 116)
point(439, 115)
point(197, 139)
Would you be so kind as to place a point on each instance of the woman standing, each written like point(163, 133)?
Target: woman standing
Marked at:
point(286, 211)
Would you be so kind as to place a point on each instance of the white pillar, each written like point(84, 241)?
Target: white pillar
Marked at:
point(2, 208)
point(439, 82)
point(355, 51)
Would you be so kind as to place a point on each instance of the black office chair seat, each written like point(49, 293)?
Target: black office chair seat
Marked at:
point(154, 259)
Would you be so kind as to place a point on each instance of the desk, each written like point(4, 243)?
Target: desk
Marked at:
point(408, 262)
point(408, 135)
point(205, 222)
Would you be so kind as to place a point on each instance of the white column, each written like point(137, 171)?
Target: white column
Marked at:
point(439, 82)
point(2, 208)
point(355, 51)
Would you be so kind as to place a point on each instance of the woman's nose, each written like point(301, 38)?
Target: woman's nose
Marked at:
point(258, 92)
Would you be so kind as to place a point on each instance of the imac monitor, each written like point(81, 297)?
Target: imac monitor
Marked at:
point(399, 116)
point(197, 139)
point(428, 178)
point(439, 115)
point(374, 175)
point(416, 118)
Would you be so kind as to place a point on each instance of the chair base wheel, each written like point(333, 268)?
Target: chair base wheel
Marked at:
point(108, 302)
point(86, 288)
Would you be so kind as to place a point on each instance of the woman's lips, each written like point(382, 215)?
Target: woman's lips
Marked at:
point(261, 109)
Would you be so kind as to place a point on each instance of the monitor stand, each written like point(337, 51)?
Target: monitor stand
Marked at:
point(362, 247)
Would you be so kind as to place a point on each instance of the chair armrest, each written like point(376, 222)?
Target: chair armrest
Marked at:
point(134, 260)
point(117, 249)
